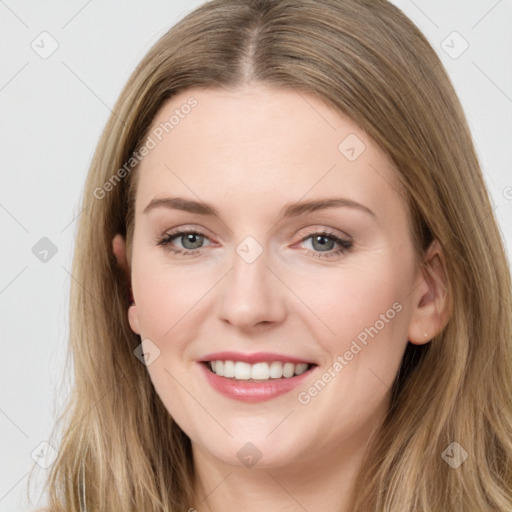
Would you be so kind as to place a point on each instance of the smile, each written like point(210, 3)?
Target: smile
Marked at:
point(256, 382)
point(240, 370)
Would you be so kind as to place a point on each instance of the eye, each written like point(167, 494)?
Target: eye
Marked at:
point(191, 241)
point(323, 242)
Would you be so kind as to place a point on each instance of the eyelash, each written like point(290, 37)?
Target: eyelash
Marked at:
point(345, 245)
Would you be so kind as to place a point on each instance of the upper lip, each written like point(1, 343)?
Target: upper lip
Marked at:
point(255, 357)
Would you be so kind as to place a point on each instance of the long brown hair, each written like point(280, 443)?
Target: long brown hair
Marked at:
point(120, 449)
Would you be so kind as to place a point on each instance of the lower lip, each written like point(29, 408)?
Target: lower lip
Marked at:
point(245, 391)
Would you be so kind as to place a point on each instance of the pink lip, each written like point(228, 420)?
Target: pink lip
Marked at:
point(246, 391)
point(257, 357)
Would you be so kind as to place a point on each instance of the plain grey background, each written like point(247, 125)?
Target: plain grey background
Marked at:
point(63, 66)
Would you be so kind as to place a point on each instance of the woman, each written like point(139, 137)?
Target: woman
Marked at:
point(290, 292)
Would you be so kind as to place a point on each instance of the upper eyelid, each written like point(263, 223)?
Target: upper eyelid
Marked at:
point(204, 231)
point(186, 229)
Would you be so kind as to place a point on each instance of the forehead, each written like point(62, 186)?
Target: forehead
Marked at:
point(259, 143)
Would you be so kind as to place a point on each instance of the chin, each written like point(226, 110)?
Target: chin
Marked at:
point(258, 453)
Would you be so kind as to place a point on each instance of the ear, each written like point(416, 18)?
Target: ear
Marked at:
point(431, 297)
point(119, 249)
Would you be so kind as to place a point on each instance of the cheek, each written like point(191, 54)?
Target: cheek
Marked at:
point(170, 298)
point(359, 305)
point(363, 334)
point(162, 299)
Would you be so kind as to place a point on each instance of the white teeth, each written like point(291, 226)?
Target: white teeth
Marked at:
point(259, 371)
point(276, 369)
point(229, 369)
point(242, 371)
point(288, 370)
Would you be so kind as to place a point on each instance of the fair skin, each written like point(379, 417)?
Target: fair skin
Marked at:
point(249, 152)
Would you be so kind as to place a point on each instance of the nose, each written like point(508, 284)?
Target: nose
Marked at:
point(251, 295)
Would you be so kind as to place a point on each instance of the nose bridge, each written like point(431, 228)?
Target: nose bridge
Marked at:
point(251, 293)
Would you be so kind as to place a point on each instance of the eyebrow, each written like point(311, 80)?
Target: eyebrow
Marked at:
point(289, 210)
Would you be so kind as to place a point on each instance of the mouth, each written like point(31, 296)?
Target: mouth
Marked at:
point(258, 372)
point(256, 376)
point(258, 382)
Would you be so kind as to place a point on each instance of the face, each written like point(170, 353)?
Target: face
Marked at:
point(238, 268)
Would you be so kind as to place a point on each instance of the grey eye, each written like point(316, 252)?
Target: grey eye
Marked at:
point(322, 243)
point(191, 241)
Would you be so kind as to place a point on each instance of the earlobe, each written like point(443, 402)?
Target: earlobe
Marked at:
point(432, 310)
